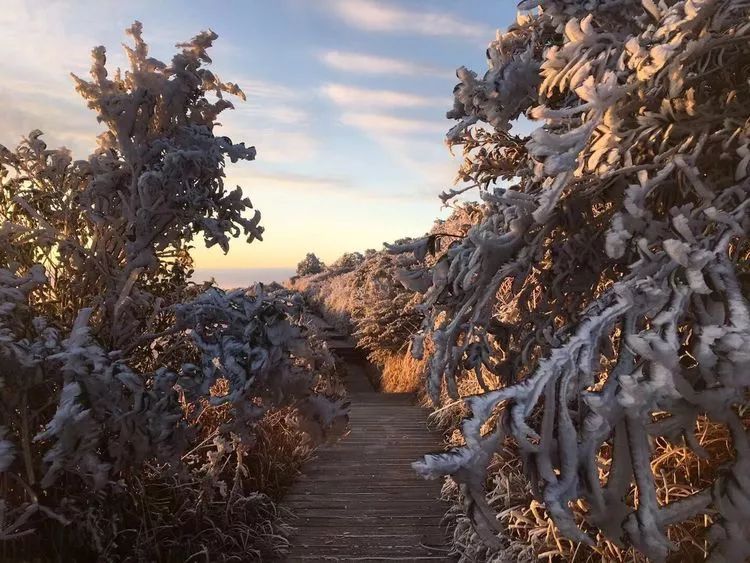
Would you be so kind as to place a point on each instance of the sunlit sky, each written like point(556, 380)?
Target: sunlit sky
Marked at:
point(346, 103)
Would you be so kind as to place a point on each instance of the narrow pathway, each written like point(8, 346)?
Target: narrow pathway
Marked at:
point(360, 500)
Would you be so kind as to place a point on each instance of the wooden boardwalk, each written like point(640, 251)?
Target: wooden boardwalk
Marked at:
point(360, 500)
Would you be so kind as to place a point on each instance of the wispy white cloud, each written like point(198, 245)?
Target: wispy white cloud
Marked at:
point(390, 18)
point(64, 120)
point(362, 63)
point(414, 146)
point(38, 48)
point(379, 124)
point(274, 145)
point(351, 96)
point(268, 112)
point(271, 102)
point(437, 168)
point(296, 182)
point(37, 91)
point(274, 118)
point(263, 182)
point(265, 89)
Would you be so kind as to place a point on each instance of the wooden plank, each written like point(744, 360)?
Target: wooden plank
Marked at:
point(371, 453)
point(390, 494)
point(402, 466)
point(385, 537)
point(420, 504)
point(377, 515)
point(426, 530)
point(360, 499)
point(350, 519)
point(385, 489)
point(373, 550)
point(322, 555)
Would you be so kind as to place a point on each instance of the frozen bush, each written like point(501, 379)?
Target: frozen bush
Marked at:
point(605, 285)
point(310, 265)
point(109, 357)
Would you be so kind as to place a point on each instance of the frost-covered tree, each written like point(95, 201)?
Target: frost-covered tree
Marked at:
point(383, 313)
point(310, 265)
point(108, 357)
point(606, 283)
point(347, 261)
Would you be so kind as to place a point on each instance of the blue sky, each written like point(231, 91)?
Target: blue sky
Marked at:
point(346, 103)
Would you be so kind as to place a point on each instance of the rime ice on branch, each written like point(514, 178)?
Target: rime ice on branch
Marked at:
point(103, 343)
point(607, 282)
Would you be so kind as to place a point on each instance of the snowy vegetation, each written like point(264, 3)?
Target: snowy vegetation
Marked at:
point(310, 265)
point(594, 321)
point(123, 387)
point(582, 331)
point(605, 286)
point(360, 294)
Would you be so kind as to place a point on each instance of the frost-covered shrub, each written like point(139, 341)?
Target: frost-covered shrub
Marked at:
point(347, 261)
point(310, 265)
point(363, 295)
point(605, 286)
point(384, 316)
point(372, 297)
point(330, 295)
point(109, 359)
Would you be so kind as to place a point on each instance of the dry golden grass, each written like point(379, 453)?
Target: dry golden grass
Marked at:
point(230, 514)
point(530, 534)
point(401, 373)
point(331, 295)
point(219, 505)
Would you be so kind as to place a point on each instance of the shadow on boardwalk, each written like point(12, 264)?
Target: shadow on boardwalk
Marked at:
point(360, 500)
